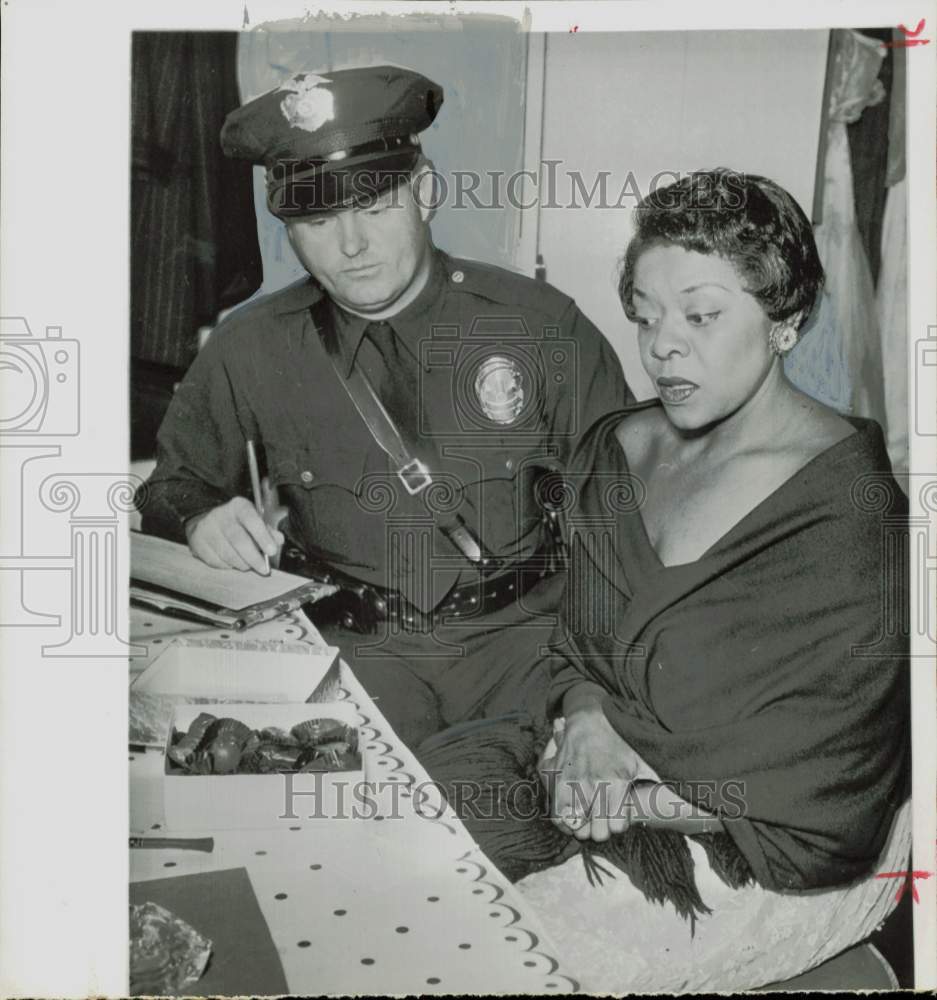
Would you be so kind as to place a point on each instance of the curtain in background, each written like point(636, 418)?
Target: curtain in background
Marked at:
point(193, 228)
point(839, 360)
point(868, 155)
point(892, 292)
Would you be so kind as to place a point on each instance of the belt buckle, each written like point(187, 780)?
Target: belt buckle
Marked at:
point(415, 476)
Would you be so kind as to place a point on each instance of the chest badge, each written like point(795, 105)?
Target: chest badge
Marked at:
point(500, 389)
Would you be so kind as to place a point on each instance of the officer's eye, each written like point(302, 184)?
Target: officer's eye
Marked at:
point(644, 322)
point(701, 319)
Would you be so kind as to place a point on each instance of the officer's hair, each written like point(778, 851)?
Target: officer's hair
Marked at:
point(747, 220)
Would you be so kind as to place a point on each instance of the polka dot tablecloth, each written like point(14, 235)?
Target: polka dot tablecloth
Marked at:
point(395, 899)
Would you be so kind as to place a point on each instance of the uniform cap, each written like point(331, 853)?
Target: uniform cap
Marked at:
point(329, 140)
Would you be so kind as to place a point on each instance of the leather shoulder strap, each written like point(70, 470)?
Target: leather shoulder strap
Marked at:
point(412, 471)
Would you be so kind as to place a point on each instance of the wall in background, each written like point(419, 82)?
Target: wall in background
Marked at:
point(632, 104)
point(650, 102)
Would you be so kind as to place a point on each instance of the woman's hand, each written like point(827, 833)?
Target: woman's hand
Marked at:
point(591, 774)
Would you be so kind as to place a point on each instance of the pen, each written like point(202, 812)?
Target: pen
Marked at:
point(178, 843)
point(255, 487)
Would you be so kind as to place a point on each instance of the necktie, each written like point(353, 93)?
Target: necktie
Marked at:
point(394, 373)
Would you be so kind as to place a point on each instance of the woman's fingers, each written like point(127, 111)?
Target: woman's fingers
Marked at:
point(584, 832)
point(617, 823)
point(571, 822)
point(575, 803)
point(592, 811)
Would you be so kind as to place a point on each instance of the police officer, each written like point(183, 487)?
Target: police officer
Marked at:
point(408, 410)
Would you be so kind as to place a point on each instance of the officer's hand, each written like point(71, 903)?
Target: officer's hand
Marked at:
point(233, 536)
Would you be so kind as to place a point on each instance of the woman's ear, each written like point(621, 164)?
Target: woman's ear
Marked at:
point(797, 320)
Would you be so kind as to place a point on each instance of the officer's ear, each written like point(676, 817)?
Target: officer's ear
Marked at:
point(424, 189)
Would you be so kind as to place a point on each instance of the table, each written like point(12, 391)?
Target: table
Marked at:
point(404, 902)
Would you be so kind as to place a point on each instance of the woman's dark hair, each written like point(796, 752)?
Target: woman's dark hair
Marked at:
point(747, 220)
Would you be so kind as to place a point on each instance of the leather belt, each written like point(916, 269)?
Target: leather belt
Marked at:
point(474, 598)
point(360, 606)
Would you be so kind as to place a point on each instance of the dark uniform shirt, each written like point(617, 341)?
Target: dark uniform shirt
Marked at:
point(265, 375)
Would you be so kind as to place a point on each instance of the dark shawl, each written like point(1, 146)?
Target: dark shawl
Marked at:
point(777, 661)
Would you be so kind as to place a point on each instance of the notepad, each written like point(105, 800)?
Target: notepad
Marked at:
point(166, 576)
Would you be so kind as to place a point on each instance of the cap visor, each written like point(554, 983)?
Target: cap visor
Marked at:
point(346, 184)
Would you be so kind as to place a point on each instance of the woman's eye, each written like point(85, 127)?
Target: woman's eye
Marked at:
point(644, 322)
point(701, 319)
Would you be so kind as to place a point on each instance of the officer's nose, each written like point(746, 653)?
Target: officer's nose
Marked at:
point(351, 234)
point(669, 339)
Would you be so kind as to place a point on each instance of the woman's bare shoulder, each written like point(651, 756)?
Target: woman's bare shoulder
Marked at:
point(825, 428)
point(639, 433)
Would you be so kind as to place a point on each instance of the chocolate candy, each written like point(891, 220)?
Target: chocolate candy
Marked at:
point(315, 731)
point(183, 752)
point(228, 746)
point(222, 744)
point(273, 734)
point(271, 757)
point(225, 755)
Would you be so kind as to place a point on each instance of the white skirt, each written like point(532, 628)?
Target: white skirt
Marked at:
point(615, 941)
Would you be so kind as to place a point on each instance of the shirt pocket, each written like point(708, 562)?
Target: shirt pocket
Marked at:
point(504, 493)
point(306, 471)
point(328, 517)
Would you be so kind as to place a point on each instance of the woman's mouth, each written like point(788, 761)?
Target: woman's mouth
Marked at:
point(675, 390)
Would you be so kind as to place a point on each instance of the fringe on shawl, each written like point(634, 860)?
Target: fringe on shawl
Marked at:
point(488, 772)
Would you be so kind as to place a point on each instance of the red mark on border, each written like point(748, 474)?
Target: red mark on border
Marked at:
point(574, 29)
point(908, 879)
point(910, 37)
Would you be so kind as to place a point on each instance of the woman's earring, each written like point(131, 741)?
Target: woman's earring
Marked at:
point(782, 338)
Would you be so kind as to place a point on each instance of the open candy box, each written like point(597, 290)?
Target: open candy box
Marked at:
point(260, 766)
point(218, 671)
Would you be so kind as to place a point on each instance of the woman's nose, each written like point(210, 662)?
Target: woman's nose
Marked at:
point(669, 340)
point(351, 234)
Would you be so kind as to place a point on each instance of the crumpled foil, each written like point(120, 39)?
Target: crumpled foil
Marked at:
point(166, 954)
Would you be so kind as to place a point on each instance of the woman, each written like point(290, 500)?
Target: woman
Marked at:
point(725, 670)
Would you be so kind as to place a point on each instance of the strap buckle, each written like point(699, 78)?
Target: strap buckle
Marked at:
point(415, 476)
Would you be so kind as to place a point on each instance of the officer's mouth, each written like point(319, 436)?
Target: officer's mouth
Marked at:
point(361, 272)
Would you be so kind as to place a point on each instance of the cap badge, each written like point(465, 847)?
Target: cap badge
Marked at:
point(499, 386)
point(308, 105)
